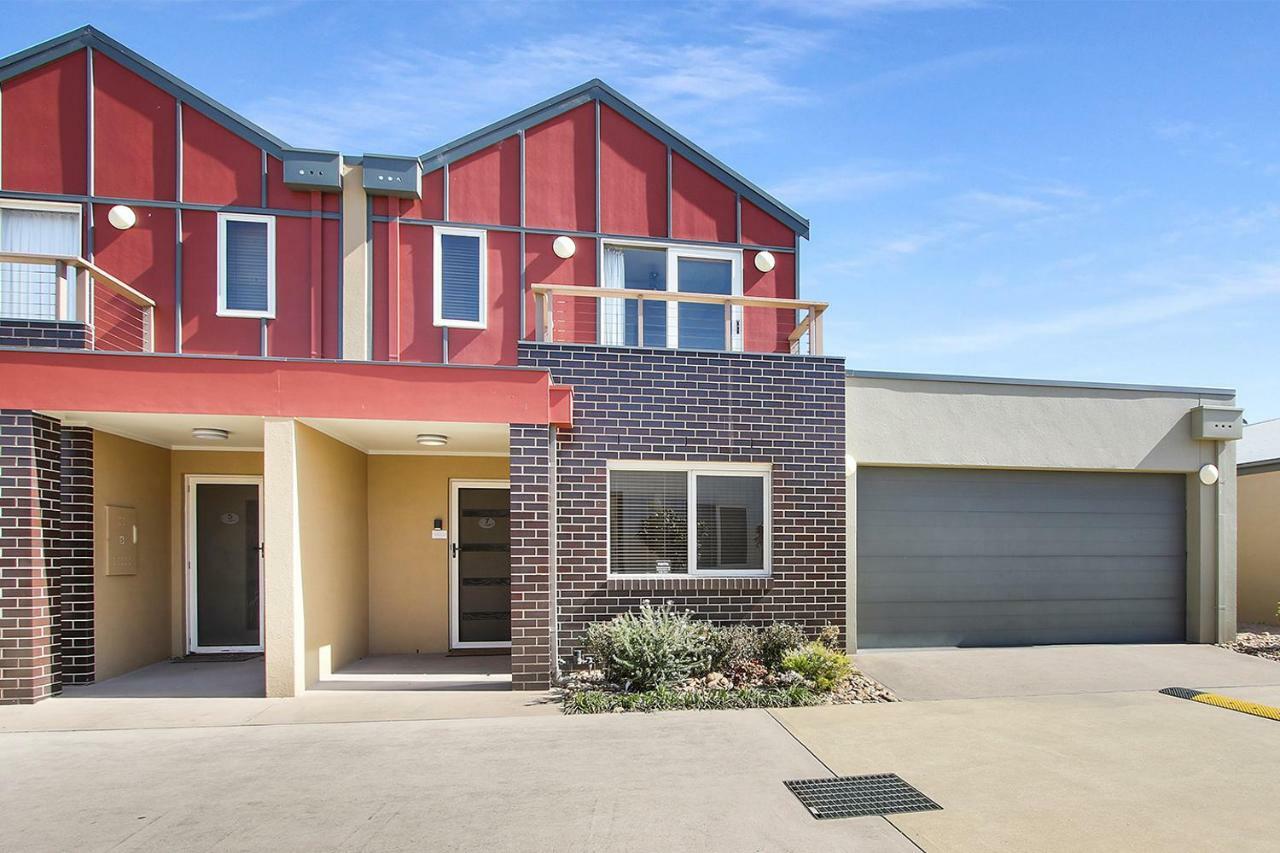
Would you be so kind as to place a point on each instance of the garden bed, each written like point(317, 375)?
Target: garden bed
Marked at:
point(660, 659)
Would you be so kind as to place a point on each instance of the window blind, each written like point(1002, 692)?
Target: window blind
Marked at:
point(246, 266)
point(648, 522)
point(29, 291)
point(460, 277)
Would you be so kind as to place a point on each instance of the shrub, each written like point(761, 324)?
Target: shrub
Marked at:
point(829, 636)
point(734, 645)
point(776, 640)
point(825, 667)
point(654, 647)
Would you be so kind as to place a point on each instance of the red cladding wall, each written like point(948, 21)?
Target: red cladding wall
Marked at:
point(574, 319)
point(633, 178)
point(560, 172)
point(144, 256)
point(762, 229)
point(134, 123)
point(45, 124)
point(702, 208)
point(203, 331)
point(766, 329)
point(218, 167)
point(485, 187)
point(495, 344)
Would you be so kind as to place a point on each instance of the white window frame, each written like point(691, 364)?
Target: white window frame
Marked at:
point(676, 251)
point(756, 470)
point(437, 282)
point(67, 297)
point(223, 310)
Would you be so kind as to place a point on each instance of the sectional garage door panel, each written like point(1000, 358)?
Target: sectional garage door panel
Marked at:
point(952, 557)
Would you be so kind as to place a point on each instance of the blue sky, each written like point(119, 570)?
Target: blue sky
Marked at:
point(1075, 191)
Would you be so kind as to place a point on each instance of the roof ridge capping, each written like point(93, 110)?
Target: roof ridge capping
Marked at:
point(89, 36)
point(596, 89)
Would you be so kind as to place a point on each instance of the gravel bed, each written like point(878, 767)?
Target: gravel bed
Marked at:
point(1261, 643)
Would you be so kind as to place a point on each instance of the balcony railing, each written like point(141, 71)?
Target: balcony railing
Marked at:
point(65, 289)
point(571, 313)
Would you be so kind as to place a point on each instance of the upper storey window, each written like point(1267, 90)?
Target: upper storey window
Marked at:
point(246, 265)
point(29, 291)
point(682, 269)
point(461, 278)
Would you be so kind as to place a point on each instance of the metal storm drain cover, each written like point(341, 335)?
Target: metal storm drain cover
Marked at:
point(859, 796)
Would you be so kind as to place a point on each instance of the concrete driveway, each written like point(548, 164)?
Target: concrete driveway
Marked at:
point(1061, 670)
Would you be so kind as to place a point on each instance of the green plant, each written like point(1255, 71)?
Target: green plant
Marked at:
point(829, 636)
point(668, 699)
point(654, 647)
point(733, 645)
point(776, 640)
point(825, 667)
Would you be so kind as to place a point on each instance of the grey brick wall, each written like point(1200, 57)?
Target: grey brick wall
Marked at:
point(44, 333)
point(671, 405)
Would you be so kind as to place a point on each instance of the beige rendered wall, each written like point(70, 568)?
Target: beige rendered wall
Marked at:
point(182, 463)
point(131, 612)
point(1259, 547)
point(975, 424)
point(408, 570)
point(333, 550)
point(356, 322)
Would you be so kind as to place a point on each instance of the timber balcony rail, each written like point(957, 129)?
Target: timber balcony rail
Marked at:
point(72, 289)
point(790, 325)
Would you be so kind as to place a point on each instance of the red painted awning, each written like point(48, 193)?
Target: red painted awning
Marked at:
point(78, 381)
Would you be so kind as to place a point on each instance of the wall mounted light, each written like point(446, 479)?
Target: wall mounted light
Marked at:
point(564, 247)
point(122, 217)
point(765, 261)
point(1209, 474)
point(432, 439)
point(210, 433)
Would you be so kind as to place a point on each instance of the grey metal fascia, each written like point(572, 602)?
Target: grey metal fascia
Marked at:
point(1045, 383)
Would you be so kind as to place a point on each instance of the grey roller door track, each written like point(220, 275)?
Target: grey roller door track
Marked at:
point(964, 557)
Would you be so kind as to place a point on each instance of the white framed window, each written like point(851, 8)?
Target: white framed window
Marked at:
point(30, 291)
point(460, 262)
point(246, 265)
point(689, 519)
point(644, 265)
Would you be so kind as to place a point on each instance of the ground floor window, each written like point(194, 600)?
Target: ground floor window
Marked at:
point(689, 520)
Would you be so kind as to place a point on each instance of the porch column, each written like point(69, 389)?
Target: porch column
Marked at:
point(29, 554)
point(283, 628)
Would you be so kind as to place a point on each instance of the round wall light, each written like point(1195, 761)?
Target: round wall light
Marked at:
point(564, 247)
point(1208, 474)
point(765, 261)
point(210, 433)
point(432, 439)
point(122, 217)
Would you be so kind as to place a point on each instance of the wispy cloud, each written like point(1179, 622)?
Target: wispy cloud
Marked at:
point(413, 98)
point(982, 203)
point(1190, 297)
point(845, 182)
point(936, 68)
point(844, 9)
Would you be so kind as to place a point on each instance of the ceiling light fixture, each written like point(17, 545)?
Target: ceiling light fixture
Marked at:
point(211, 433)
point(432, 439)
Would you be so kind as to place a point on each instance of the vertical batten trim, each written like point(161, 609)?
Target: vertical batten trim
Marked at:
point(599, 227)
point(342, 271)
point(368, 277)
point(444, 194)
point(88, 151)
point(264, 178)
point(737, 213)
point(263, 334)
point(520, 336)
point(669, 182)
point(177, 229)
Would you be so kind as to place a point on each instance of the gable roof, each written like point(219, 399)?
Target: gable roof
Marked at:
point(598, 90)
point(90, 37)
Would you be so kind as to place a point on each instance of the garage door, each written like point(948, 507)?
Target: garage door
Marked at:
point(958, 557)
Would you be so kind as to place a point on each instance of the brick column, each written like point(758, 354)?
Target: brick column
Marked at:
point(530, 544)
point(30, 449)
point(76, 555)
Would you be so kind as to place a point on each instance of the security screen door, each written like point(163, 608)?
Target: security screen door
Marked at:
point(481, 565)
point(225, 560)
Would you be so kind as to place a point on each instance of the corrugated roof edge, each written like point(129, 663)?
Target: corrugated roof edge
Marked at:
point(1046, 383)
point(596, 89)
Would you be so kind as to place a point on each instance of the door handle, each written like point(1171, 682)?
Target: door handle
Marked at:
point(454, 547)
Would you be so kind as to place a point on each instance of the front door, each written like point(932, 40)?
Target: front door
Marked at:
point(480, 565)
point(224, 564)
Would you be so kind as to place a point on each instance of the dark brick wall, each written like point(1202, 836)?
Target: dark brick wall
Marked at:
point(29, 556)
point(46, 556)
point(530, 553)
point(668, 405)
point(76, 554)
point(45, 333)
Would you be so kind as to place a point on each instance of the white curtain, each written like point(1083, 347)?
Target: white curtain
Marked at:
point(28, 291)
point(613, 314)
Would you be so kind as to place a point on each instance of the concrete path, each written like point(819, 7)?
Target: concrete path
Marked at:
point(676, 781)
point(1094, 771)
point(1049, 670)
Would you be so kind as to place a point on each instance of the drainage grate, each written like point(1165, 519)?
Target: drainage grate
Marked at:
point(859, 796)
